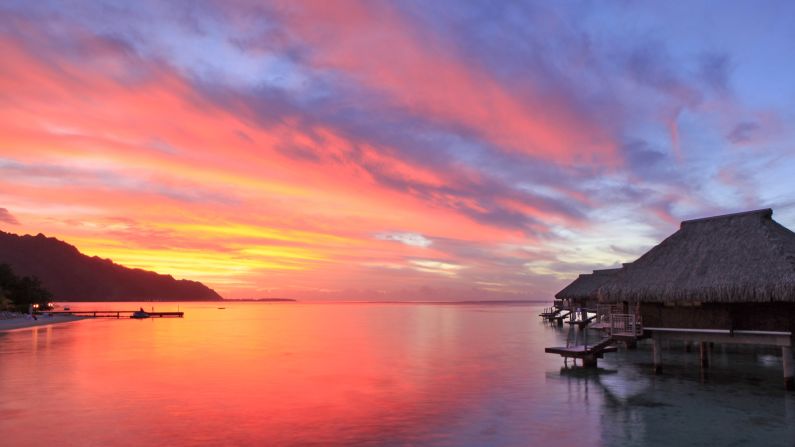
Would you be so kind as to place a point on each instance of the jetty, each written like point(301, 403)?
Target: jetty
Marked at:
point(113, 313)
point(724, 279)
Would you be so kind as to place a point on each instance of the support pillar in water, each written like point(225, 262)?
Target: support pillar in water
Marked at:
point(704, 354)
point(789, 369)
point(656, 354)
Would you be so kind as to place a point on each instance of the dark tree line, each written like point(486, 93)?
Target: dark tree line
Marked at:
point(19, 293)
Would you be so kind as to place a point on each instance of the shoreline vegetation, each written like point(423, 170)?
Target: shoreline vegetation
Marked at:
point(10, 321)
point(21, 294)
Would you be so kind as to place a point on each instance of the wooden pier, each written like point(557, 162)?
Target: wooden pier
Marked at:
point(113, 313)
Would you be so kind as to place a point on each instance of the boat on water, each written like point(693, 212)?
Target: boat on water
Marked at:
point(140, 314)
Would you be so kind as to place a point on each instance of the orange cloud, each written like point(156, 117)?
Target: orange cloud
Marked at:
point(153, 175)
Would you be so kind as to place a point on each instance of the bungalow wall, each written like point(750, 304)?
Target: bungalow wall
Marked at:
point(737, 316)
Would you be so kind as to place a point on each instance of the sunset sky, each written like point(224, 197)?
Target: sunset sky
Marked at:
point(390, 150)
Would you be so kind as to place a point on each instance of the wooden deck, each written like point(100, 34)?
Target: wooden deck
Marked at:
point(587, 353)
point(582, 323)
point(579, 351)
point(549, 313)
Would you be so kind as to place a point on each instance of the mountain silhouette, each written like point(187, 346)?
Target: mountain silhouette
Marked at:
point(72, 276)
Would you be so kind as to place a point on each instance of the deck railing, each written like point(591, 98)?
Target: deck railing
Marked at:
point(625, 325)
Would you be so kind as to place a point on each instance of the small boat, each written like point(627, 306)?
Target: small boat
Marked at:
point(222, 308)
point(66, 308)
point(139, 314)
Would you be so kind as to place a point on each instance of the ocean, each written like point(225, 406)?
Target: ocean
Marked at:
point(370, 374)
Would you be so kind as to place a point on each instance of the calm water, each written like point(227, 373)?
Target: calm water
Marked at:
point(369, 374)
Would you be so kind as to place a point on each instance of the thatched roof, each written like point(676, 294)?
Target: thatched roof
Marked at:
point(586, 285)
point(743, 257)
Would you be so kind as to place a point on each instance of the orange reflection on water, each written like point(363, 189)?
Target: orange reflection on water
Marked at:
point(259, 374)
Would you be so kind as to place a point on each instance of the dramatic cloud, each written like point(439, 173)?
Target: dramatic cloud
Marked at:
point(377, 150)
point(7, 217)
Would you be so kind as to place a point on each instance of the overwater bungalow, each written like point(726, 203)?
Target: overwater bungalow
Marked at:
point(582, 294)
point(722, 279)
point(580, 297)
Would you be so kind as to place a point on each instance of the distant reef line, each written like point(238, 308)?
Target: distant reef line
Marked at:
point(73, 276)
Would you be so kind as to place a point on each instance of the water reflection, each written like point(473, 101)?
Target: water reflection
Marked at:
point(365, 374)
point(737, 401)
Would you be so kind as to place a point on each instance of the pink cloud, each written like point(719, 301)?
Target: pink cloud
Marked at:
point(373, 44)
point(236, 213)
point(7, 217)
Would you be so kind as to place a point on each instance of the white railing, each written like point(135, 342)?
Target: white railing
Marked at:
point(625, 325)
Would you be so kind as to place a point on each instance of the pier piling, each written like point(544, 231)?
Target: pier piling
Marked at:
point(657, 355)
point(789, 370)
point(589, 361)
point(704, 354)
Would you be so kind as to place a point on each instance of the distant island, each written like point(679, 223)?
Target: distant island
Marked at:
point(72, 276)
point(264, 300)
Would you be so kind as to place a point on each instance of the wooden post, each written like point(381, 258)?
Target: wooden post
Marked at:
point(789, 370)
point(704, 354)
point(656, 354)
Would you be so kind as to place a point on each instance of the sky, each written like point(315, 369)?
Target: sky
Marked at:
point(404, 150)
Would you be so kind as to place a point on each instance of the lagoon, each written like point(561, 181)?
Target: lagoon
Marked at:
point(369, 374)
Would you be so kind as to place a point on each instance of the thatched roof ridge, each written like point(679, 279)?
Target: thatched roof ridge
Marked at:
point(741, 257)
point(586, 285)
point(766, 213)
point(607, 271)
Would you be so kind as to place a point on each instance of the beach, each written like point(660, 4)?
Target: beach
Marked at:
point(42, 320)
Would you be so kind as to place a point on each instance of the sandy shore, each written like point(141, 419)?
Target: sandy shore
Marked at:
point(23, 323)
